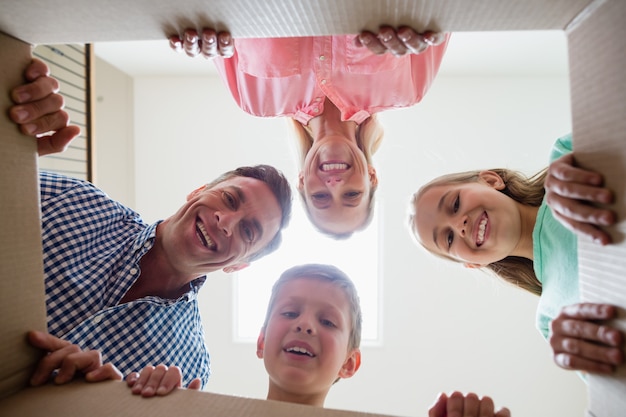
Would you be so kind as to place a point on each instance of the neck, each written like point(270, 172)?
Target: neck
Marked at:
point(529, 218)
point(329, 123)
point(314, 399)
point(157, 278)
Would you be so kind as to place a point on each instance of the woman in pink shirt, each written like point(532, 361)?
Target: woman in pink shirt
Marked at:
point(331, 88)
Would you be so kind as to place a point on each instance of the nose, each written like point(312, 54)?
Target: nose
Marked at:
point(331, 181)
point(461, 225)
point(304, 325)
point(301, 329)
point(225, 222)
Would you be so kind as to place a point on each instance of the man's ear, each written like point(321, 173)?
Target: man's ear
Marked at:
point(472, 266)
point(236, 267)
point(300, 184)
point(492, 179)
point(260, 344)
point(373, 177)
point(351, 365)
point(195, 192)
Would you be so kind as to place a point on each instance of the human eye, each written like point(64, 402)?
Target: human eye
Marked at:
point(327, 322)
point(229, 200)
point(450, 238)
point(456, 204)
point(352, 195)
point(320, 196)
point(248, 232)
point(289, 314)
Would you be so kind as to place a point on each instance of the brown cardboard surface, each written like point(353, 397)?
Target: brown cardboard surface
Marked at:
point(21, 270)
point(113, 398)
point(599, 123)
point(596, 34)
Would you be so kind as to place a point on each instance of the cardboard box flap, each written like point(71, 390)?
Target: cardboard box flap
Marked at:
point(21, 268)
point(82, 21)
point(115, 399)
point(598, 110)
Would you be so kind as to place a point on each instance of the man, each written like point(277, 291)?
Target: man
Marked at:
point(129, 289)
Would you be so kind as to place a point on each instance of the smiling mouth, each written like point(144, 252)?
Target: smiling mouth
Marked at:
point(480, 236)
point(335, 166)
point(300, 351)
point(204, 236)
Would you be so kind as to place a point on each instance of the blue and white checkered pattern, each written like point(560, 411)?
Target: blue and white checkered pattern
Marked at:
point(92, 247)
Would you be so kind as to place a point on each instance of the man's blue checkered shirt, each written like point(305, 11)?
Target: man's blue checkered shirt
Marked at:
point(92, 247)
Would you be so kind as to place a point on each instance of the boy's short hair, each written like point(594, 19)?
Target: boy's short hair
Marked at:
point(330, 274)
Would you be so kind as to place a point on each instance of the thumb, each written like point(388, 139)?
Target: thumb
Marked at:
point(503, 412)
point(103, 373)
point(439, 407)
point(196, 384)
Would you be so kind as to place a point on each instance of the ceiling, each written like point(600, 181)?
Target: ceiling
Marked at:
point(469, 53)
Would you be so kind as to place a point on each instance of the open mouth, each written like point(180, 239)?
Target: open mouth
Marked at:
point(334, 166)
point(482, 226)
point(204, 236)
point(299, 351)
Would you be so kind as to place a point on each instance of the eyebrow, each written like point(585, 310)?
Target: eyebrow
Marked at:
point(239, 192)
point(259, 228)
point(325, 206)
point(353, 203)
point(439, 206)
point(442, 200)
point(321, 205)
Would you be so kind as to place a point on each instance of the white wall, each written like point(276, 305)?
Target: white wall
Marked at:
point(114, 157)
point(444, 327)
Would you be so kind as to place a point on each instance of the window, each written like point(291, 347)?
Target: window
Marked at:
point(71, 66)
point(357, 256)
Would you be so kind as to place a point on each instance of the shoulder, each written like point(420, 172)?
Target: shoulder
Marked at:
point(63, 196)
point(56, 186)
point(55, 183)
point(562, 146)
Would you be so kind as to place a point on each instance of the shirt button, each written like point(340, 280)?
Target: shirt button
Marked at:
point(146, 245)
point(97, 319)
point(322, 57)
point(318, 99)
point(323, 81)
point(316, 110)
point(133, 271)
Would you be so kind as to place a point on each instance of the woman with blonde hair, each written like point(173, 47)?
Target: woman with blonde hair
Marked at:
point(330, 87)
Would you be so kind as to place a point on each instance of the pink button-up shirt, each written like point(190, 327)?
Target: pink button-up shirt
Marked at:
point(292, 76)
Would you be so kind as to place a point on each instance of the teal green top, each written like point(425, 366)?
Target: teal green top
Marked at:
point(555, 253)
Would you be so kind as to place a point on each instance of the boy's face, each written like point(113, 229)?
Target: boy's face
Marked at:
point(305, 343)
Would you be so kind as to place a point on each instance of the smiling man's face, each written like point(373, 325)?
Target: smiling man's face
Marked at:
point(222, 226)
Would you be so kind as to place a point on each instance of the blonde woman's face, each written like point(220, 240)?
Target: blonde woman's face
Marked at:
point(473, 223)
point(336, 182)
